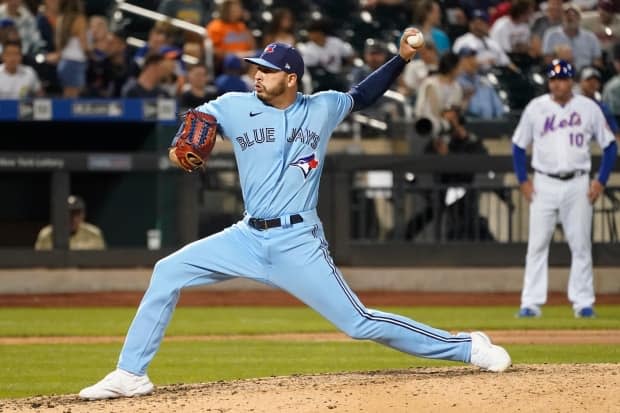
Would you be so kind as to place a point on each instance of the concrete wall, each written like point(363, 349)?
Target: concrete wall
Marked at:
point(40, 281)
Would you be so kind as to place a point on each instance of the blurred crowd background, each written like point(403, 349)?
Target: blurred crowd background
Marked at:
point(484, 57)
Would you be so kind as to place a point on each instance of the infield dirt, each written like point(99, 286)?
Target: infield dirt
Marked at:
point(522, 388)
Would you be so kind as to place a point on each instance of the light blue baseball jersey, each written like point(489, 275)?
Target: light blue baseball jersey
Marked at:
point(279, 152)
point(280, 157)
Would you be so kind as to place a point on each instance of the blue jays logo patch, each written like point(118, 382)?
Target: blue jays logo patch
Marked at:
point(306, 164)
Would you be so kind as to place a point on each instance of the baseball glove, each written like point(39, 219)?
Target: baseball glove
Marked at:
point(195, 139)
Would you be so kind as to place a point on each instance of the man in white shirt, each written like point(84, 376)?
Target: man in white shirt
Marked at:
point(325, 57)
point(488, 51)
point(604, 22)
point(25, 23)
point(512, 31)
point(585, 47)
point(17, 81)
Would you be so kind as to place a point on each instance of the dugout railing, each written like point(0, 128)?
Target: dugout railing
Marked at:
point(350, 208)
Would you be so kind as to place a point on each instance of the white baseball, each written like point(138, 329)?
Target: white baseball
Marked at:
point(416, 40)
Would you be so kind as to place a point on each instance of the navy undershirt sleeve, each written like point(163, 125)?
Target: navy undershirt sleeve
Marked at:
point(607, 162)
point(519, 162)
point(375, 84)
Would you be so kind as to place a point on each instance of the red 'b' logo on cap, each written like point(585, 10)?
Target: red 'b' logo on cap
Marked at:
point(270, 48)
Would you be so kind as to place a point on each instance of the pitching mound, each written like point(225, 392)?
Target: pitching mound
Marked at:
point(523, 388)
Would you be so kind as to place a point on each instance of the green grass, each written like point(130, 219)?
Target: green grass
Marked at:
point(33, 369)
point(24, 322)
point(28, 370)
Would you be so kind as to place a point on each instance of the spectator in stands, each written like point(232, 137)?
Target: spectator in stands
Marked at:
point(281, 28)
point(17, 81)
point(590, 85)
point(375, 54)
point(550, 17)
point(326, 57)
point(8, 32)
point(25, 23)
point(109, 71)
point(483, 102)
point(611, 90)
point(456, 17)
point(605, 24)
point(423, 65)
point(46, 17)
point(191, 11)
point(97, 32)
point(439, 93)
point(149, 83)
point(46, 23)
point(229, 33)
point(585, 47)
point(82, 235)
point(198, 89)
point(428, 15)
point(159, 37)
point(230, 79)
point(489, 52)
point(512, 31)
point(175, 80)
point(72, 43)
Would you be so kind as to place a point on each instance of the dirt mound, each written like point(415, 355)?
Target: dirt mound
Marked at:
point(523, 388)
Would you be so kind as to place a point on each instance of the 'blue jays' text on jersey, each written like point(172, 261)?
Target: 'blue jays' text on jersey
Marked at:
point(279, 152)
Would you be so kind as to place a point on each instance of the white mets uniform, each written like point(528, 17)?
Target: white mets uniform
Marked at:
point(560, 136)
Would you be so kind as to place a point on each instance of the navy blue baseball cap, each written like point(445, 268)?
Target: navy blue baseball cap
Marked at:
point(560, 69)
point(280, 56)
point(479, 14)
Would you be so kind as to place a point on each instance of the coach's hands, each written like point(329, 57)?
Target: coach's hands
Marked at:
point(596, 189)
point(406, 51)
point(527, 189)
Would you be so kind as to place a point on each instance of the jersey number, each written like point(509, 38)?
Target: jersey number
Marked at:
point(576, 139)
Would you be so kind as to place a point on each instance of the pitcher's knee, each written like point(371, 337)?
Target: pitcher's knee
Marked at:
point(358, 331)
point(164, 270)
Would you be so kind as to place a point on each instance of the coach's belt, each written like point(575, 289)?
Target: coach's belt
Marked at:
point(263, 224)
point(565, 176)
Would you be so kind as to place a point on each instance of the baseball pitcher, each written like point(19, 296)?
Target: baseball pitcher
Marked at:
point(561, 126)
point(280, 139)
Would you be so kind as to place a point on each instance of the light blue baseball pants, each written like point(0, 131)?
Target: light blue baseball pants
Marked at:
point(294, 258)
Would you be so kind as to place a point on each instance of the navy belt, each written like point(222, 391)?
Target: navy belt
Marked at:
point(565, 176)
point(263, 224)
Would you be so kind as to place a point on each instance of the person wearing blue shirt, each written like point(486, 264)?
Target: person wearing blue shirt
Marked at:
point(590, 85)
point(483, 102)
point(280, 138)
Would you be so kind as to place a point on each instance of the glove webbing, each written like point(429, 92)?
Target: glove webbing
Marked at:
point(203, 131)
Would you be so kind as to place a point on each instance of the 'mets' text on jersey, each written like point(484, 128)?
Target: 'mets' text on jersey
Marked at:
point(561, 134)
point(279, 152)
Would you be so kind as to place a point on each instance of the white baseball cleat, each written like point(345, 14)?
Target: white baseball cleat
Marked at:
point(487, 355)
point(119, 383)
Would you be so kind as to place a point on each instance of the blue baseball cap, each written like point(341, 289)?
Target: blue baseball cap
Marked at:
point(7, 23)
point(560, 69)
point(280, 56)
point(479, 14)
point(467, 51)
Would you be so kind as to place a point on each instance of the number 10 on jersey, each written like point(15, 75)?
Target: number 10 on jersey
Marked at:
point(576, 139)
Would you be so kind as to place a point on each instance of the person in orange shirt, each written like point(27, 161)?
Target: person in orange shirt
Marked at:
point(229, 33)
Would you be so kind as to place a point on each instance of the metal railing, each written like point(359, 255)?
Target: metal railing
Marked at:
point(123, 6)
point(410, 221)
